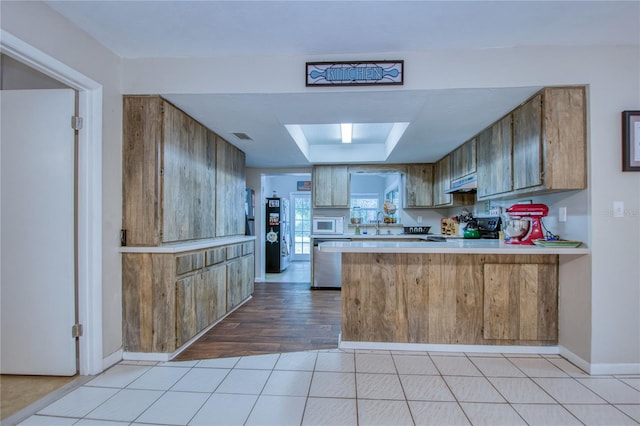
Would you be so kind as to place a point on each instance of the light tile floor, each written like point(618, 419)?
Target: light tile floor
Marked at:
point(336, 387)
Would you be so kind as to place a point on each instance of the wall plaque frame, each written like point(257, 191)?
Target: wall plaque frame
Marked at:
point(355, 73)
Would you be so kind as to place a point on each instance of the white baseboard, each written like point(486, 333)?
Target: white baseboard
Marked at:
point(600, 369)
point(112, 359)
point(427, 347)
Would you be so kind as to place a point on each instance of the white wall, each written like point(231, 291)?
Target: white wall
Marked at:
point(58, 38)
point(610, 297)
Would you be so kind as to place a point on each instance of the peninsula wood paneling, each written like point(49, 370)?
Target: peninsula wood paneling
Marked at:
point(520, 302)
point(441, 298)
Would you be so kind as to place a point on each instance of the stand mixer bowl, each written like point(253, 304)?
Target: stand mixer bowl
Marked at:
point(516, 228)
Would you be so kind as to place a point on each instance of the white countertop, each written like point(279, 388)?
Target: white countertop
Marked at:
point(188, 245)
point(454, 246)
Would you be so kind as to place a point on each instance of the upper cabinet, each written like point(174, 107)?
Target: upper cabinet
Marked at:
point(442, 181)
point(418, 186)
point(230, 189)
point(330, 186)
point(463, 160)
point(168, 174)
point(539, 148)
point(494, 159)
point(549, 141)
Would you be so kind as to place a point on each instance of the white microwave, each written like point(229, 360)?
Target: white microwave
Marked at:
point(328, 225)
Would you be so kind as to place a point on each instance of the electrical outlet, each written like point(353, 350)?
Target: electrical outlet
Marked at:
point(562, 214)
point(618, 209)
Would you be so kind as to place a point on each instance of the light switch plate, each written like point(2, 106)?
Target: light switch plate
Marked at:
point(618, 209)
point(562, 214)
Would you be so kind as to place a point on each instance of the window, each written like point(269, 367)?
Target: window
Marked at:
point(301, 225)
point(369, 206)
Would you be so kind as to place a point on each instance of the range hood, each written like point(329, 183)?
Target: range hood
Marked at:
point(467, 184)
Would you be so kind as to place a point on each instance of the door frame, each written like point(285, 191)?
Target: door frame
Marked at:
point(89, 231)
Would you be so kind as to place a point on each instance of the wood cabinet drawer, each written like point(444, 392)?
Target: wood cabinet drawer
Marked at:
point(234, 251)
point(247, 248)
point(216, 255)
point(189, 262)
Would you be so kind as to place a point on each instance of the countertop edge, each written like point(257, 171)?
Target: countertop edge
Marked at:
point(188, 245)
point(458, 247)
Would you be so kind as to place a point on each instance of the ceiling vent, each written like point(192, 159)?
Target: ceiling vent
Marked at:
point(242, 136)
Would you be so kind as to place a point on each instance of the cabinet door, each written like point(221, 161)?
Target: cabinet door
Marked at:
point(565, 138)
point(419, 185)
point(521, 302)
point(463, 160)
point(494, 159)
point(330, 186)
point(230, 189)
point(186, 319)
point(442, 179)
point(527, 144)
point(188, 192)
point(211, 296)
point(141, 142)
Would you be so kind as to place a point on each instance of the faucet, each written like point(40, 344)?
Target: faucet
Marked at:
point(378, 223)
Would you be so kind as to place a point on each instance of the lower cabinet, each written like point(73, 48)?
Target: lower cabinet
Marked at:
point(200, 301)
point(170, 298)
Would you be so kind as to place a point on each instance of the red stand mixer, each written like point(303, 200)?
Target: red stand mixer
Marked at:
point(525, 223)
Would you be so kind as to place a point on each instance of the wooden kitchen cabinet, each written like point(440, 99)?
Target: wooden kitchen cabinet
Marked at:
point(419, 186)
point(330, 186)
point(494, 161)
point(200, 301)
point(169, 298)
point(521, 302)
point(549, 141)
point(463, 160)
point(240, 274)
point(230, 189)
point(442, 182)
point(168, 174)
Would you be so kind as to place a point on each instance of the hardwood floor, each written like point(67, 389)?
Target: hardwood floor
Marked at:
point(281, 317)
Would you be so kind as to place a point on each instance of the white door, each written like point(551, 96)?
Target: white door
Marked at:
point(301, 226)
point(37, 232)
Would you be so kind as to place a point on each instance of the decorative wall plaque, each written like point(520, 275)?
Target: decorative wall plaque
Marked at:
point(357, 73)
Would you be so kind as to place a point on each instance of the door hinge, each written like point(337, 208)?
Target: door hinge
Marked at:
point(76, 330)
point(76, 122)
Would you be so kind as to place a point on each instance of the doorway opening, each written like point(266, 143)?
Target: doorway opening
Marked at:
point(295, 188)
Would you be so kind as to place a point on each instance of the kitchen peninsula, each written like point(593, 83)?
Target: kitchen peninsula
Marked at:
point(455, 292)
